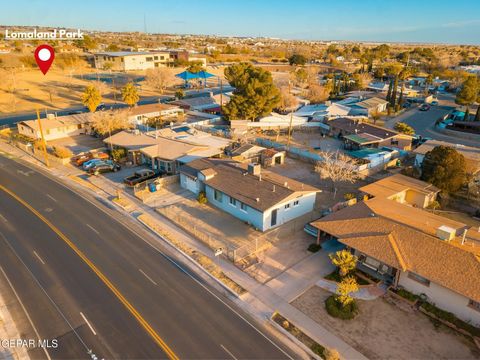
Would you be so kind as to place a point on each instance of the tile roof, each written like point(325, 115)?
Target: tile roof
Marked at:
point(397, 183)
point(59, 121)
point(150, 108)
point(355, 126)
point(371, 103)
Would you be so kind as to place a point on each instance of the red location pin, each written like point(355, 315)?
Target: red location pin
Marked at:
point(44, 55)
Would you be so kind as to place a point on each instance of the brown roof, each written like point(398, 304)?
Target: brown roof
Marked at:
point(150, 108)
point(405, 248)
point(260, 193)
point(371, 103)
point(59, 121)
point(397, 183)
point(348, 126)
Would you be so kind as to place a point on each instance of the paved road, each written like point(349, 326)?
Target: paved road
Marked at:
point(13, 119)
point(424, 121)
point(56, 284)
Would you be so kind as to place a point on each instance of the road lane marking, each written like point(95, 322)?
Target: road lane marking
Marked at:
point(86, 321)
point(148, 328)
point(228, 352)
point(148, 277)
point(93, 229)
point(25, 311)
point(51, 197)
point(38, 257)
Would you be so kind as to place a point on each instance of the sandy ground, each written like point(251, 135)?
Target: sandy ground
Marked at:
point(383, 331)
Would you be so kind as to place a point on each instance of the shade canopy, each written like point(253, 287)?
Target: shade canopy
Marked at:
point(187, 75)
point(203, 74)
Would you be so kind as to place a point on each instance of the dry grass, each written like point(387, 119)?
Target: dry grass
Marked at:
point(201, 259)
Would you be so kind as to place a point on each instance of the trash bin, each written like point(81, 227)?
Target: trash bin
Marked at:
point(152, 187)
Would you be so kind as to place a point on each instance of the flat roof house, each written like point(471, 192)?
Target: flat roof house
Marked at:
point(408, 247)
point(130, 60)
point(359, 135)
point(201, 103)
point(140, 114)
point(470, 153)
point(55, 127)
point(261, 198)
point(368, 107)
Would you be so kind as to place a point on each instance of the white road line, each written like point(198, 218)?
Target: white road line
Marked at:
point(86, 321)
point(25, 311)
point(51, 197)
point(228, 352)
point(148, 277)
point(93, 229)
point(38, 257)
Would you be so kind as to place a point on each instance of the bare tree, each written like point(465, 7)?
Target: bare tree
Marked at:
point(160, 78)
point(318, 93)
point(104, 122)
point(337, 167)
point(287, 100)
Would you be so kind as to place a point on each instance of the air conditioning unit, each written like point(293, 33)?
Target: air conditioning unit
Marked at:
point(446, 233)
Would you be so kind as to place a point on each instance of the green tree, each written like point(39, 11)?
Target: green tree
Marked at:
point(466, 117)
point(347, 286)
point(255, 94)
point(477, 114)
point(113, 47)
point(469, 91)
point(86, 43)
point(195, 67)
point(393, 98)
point(344, 260)
point(445, 168)
point(179, 94)
point(91, 98)
point(404, 128)
point(297, 59)
point(130, 94)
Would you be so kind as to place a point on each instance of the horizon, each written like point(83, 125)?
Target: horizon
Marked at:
point(372, 21)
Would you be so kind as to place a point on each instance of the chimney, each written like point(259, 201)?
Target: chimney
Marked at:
point(254, 169)
point(464, 236)
point(273, 189)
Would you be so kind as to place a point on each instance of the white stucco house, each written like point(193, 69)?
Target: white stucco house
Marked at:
point(55, 127)
point(261, 198)
point(405, 246)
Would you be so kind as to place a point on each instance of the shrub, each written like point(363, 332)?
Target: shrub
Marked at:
point(451, 318)
point(349, 196)
point(407, 295)
point(335, 309)
point(331, 354)
point(434, 205)
point(318, 349)
point(180, 94)
point(314, 248)
point(202, 198)
point(62, 152)
point(119, 153)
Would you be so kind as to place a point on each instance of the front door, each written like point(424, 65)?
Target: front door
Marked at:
point(274, 217)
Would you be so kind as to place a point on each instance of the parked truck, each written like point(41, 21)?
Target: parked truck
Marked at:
point(139, 176)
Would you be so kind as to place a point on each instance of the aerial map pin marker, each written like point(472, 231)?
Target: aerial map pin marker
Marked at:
point(44, 55)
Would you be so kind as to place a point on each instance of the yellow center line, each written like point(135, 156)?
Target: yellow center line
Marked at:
point(102, 277)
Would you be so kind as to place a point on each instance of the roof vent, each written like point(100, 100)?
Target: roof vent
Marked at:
point(257, 199)
point(273, 189)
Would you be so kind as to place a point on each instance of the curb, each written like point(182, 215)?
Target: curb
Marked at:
point(189, 258)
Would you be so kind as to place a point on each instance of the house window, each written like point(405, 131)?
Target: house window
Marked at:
point(419, 279)
point(218, 195)
point(394, 142)
point(475, 305)
point(233, 202)
point(287, 206)
point(243, 207)
point(295, 203)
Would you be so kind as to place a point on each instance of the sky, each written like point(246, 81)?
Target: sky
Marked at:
point(439, 21)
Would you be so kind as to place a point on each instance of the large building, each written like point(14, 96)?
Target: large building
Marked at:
point(259, 197)
point(142, 60)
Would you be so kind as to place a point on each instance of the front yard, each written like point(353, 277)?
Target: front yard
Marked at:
point(384, 331)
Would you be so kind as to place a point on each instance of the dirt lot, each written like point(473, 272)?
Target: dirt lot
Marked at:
point(78, 144)
point(383, 331)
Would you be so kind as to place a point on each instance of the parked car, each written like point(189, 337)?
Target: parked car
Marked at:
point(424, 107)
point(81, 159)
point(407, 105)
point(434, 103)
point(101, 107)
point(104, 167)
point(139, 176)
point(90, 163)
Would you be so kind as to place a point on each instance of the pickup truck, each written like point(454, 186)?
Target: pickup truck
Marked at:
point(139, 176)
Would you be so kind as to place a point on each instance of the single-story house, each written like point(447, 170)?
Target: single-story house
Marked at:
point(139, 114)
point(249, 153)
point(403, 189)
point(470, 153)
point(318, 112)
point(261, 198)
point(200, 103)
point(408, 247)
point(55, 127)
point(165, 153)
point(369, 106)
point(357, 134)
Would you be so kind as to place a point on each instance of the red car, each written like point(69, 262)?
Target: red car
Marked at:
point(80, 159)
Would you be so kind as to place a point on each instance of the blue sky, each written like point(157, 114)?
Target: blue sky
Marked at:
point(442, 21)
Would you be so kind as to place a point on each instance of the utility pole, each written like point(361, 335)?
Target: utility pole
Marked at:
point(290, 128)
point(221, 95)
point(44, 145)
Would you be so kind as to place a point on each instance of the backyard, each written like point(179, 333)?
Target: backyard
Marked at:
point(383, 330)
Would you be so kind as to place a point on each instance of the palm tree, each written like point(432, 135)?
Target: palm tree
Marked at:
point(91, 98)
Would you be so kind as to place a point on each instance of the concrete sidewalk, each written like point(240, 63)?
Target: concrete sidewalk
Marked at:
point(262, 299)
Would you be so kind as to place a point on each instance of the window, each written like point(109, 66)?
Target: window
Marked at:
point(287, 206)
point(149, 58)
point(218, 195)
point(155, 57)
point(419, 279)
point(394, 142)
point(233, 202)
point(243, 206)
point(474, 304)
point(295, 203)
